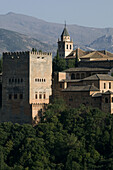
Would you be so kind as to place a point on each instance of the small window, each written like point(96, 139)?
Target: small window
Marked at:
point(18, 81)
point(42, 57)
point(21, 80)
point(10, 96)
point(9, 80)
point(70, 47)
point(35, 80)
point(38, 57)
point(12, 80)
point(106, 100)
point(60, 85)
point(21, 96)
point(40, 80)
point(104, 85)
point(77, 76)
point(112, 99)
point(44, 80)
point(36, 96)
point(109, 85)
point(15, 80)
point(15, 96)
point(40, 96)
point(67, 46)
point(44, 96)
point(72, 76)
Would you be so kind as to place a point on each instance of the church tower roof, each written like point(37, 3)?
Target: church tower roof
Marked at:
point(65, 32)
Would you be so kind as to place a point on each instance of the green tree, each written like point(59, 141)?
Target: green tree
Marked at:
point(59, 64)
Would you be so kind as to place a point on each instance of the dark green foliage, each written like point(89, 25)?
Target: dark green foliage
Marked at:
point(65, 139)
point(59, 64)
point(1, 61)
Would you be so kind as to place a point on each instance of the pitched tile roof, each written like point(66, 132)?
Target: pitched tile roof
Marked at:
point(81, 88)
point(99, 77)
point(79, 69)
point(95, 54)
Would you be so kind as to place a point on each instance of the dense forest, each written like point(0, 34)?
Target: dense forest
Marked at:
point(65, 139)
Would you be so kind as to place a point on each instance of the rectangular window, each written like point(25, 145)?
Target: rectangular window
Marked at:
point(15, 96)
point(60, 85)
point(104, 85)
point(112, 99)
point(21, 96)
point(9, 80)
point(109, 85)
point(10, 96)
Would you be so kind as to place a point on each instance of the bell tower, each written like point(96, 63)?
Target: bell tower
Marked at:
point(65, 45)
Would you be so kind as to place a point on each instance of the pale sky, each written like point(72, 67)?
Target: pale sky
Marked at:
point(92, 13)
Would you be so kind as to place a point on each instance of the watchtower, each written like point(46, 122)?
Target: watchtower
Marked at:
point(26, 85)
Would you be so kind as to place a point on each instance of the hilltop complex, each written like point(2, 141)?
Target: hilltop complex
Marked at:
point(28, 86)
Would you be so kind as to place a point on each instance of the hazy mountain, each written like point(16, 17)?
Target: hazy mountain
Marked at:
point(104, 42)
point(49, 32)
point(44, 35)
point(13, 41)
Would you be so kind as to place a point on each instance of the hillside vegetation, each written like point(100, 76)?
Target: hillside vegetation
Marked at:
point(83, 37)
point(12, 41)
point(65, 139)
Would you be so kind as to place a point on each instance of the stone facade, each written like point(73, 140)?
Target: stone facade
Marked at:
point(26, 86)
point(95, 90)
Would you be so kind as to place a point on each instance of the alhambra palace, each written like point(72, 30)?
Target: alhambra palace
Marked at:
point(27, 84)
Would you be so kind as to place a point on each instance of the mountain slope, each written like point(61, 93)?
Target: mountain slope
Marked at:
point(102, 43)
point(49, 32)
point(13, 41)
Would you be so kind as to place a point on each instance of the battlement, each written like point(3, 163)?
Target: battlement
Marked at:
point(15, 53)
point(40, 53)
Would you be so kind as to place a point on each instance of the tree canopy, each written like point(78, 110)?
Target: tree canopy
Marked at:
point(65, 139)
point(60, 64)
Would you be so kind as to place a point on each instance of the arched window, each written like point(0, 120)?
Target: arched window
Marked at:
point(36, 96)
point(44, 96)
point(67, 46)
point(77, 76)
point(40, 96)
point(82, 75)
point(72, 76)
point(70, 47)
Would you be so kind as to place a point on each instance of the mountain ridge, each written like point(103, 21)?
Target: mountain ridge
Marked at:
point(48, 32)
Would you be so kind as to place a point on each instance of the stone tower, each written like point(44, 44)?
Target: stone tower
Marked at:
point(65, 45)
point(26, 85)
